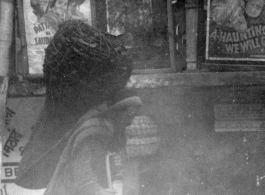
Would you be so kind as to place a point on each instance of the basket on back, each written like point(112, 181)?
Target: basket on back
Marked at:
point(79, 53)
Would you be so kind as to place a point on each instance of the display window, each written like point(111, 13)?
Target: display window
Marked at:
point(141, 26)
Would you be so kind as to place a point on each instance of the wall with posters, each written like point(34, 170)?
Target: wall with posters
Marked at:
point(21, 114)
point(235, 30)
point(41, 22)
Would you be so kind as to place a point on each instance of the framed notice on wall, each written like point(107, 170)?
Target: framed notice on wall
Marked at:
point(42, 18)
point(235, 30)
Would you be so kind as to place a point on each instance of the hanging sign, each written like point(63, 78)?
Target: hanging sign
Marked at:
point(235, 30)
point(42, 18)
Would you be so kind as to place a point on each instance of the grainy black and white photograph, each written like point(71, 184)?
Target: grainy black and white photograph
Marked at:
point(132, 97)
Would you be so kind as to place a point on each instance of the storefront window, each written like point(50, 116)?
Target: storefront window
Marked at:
point(144, 25)
point(141, 25)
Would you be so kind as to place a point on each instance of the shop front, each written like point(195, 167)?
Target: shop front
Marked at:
point(201, 130)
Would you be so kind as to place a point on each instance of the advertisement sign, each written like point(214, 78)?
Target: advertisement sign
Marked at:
point(42, 18)
point(239, 117)
point(235, 30)
point(21, 114)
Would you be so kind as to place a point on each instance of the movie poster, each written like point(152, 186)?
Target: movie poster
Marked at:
point(42, 18)
point(236, 30)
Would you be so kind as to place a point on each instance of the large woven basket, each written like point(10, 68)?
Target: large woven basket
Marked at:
point(142, 137)
point(77, 50)
point(79, 54)
point(77, 40)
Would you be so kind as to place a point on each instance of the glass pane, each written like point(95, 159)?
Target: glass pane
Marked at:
point(143, 27)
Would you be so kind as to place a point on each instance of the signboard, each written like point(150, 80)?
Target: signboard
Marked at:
point(239, 117)
point(235, 30)
point(21, 114)
point(42, 18)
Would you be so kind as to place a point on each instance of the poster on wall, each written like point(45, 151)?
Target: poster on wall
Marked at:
point(235, 30)
point(42, 18)
point(21, 114)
